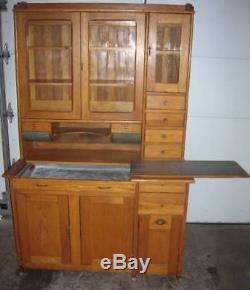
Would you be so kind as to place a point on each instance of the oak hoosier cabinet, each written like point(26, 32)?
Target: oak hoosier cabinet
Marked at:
point(103, 94)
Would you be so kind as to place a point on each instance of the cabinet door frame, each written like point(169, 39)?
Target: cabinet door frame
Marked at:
point(86, 201)
point(185, 21)
point(136, 115)
point(21, 199)
point(21, 20)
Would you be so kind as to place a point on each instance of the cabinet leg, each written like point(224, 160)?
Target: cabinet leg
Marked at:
point(21, 271)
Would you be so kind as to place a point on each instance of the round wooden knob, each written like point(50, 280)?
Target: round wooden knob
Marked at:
point(165, 102)
point(164, 136)
point(160, 222)
point(165, 120)
point(162, 151)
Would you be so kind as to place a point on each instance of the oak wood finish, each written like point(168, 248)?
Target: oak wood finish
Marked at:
point(161, 226)
point(47, 217)
point(102, 236)
point(87, 73)
point(52, 85)
point(169, 37)
point(112, 89)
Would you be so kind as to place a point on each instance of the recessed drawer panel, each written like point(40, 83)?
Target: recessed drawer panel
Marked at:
point(165, 102)
point(162, 119)
point(162, 187)
point(163, 151)
point(165, 136)
point(151, 203)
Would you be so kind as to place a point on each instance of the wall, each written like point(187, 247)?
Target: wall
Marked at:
point(219, 108)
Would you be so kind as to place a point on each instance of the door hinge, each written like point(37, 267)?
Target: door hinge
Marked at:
point(5, 53)
point(9, 113)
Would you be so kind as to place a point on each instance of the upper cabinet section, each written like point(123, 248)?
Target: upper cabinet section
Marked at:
point(48, 56)
point(94, 62)
point(168, 52)
point(112, 65)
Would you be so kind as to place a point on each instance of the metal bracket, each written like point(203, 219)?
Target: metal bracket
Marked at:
point(5, 53)
point(9, 114)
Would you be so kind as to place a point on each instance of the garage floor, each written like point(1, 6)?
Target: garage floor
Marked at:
point(216, 257)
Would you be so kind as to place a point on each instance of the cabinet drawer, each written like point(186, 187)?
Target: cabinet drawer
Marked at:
point(75, 185)
point(163, 151)
point(36, 126)
point(162, 187)
point(165, 102)
point(165, 136)
point(126, 128)
point(158, 203)
point(162, 119)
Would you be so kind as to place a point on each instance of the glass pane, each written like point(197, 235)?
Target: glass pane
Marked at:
point(112, 34)
point(45, 33)
point(50, 65)
point(112, 59)
point(167, 68)
point(117, 65)
point(56, 97)
point(112, 99)
point(168, 36)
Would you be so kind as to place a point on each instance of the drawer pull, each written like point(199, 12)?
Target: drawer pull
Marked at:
point(165, 120)
point(163, 136)
point(160, 222)
point(104, 187)
point(42, 185)
point(163, 152)
point(165, 102)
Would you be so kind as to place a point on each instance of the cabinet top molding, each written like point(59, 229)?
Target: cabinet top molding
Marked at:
point(114, 7)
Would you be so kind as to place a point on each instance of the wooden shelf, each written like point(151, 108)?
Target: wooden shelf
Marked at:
point(113, 83)
point(168, 51)
point(50, 47)
point(51, 83)
point(112, 48)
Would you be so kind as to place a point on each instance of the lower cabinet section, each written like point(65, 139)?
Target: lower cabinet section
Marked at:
point(74, 230)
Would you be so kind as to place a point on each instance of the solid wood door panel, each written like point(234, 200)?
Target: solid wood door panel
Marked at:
point(106, 227)
point(112, 47)
point(43, 224)
point(160, 237)
point(48, 61)
point(168, 55)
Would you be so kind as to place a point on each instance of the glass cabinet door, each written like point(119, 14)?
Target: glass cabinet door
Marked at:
point(168, 52)
point(112, 65)
point(49, 88)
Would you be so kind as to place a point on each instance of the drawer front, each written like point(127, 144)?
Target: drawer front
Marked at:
point(164, 136)
point(74, 185)
point(162, 119)
point(159, 186)
point(165, 102)
point(158, 203)
point(36, 126)
point(163, 151)
point(126, 128)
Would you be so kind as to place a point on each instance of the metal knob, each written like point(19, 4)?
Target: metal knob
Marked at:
point(160, 222)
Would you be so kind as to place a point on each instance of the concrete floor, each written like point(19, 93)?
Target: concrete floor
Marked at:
point(216, 257)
